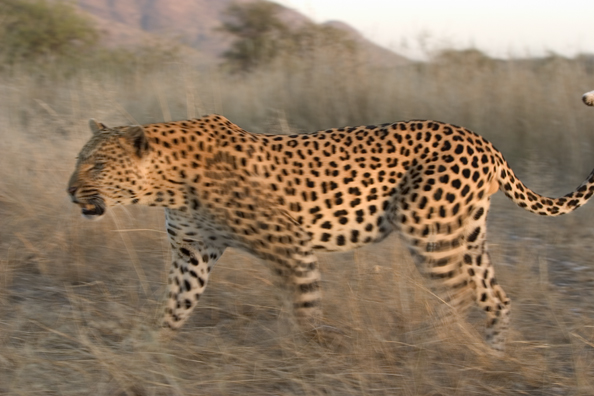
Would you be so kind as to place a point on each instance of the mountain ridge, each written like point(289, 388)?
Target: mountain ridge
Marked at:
point(195, 23)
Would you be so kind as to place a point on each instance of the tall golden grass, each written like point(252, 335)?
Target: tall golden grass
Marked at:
point(79, 300)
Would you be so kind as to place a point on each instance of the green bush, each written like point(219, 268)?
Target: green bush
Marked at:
point(40, 30)
point(262, 37)
point(258, 31)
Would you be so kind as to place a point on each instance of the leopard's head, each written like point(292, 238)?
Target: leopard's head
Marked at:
point(110, 169)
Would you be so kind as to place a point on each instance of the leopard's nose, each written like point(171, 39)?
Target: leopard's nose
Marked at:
point(72, 190)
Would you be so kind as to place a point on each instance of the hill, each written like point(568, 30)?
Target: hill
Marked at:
point(194, 23)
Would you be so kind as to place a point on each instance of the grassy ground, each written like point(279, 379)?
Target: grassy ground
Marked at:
point(79, 300)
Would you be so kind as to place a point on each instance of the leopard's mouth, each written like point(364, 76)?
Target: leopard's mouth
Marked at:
point(93, 209)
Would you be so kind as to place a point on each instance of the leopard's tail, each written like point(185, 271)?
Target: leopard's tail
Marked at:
point(536, 203)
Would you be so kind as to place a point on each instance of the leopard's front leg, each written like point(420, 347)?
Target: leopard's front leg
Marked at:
point(301, 276)
point(187, 279)
point(193, 257)
point(278, 239)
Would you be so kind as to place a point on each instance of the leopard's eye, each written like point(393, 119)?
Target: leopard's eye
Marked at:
point(98, 166)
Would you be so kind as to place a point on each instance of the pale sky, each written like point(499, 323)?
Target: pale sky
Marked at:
point(500, 28)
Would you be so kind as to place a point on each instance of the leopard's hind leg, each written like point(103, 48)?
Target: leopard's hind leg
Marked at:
point(488, 295)
point(452, 253)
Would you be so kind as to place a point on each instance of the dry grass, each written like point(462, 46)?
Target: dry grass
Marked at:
point(79, 300)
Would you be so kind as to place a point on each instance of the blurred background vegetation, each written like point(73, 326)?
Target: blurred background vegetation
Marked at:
point(78, 299)
point(301, 75)
point(39, 31)
point(261, 37)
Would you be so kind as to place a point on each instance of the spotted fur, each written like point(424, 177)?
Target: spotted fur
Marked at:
point(283, 197)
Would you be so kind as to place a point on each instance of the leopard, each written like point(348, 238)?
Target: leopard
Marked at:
point(282, 198)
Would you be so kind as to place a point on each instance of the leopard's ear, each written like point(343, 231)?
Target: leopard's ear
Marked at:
point(136, 138)
point(96, 126)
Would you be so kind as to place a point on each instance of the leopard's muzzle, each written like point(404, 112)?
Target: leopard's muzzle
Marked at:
point(91, 208)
